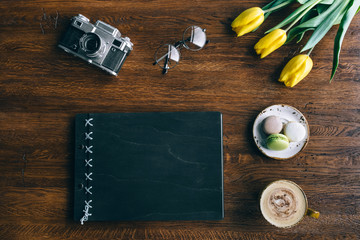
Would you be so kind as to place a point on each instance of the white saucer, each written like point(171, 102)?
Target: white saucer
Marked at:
point(286, 114)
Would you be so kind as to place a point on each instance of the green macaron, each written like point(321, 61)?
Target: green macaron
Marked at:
point(277, 142)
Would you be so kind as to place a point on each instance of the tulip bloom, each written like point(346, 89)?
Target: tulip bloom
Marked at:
point(296, 70)
point(270, 42)
point(247, 21)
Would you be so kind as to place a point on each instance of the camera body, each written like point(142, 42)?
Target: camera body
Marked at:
point(99, 44)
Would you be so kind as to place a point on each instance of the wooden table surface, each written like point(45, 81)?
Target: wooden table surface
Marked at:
point(42, 88)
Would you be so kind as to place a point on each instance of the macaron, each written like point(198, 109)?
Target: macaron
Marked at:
point(277, 142)
point(294, 131)
point(272, 125)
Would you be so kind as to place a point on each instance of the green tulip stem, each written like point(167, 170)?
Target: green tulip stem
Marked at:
point(310, 51)
point(301, 15)
point(277, 7)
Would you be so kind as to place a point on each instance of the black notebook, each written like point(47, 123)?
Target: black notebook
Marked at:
point(148, 166)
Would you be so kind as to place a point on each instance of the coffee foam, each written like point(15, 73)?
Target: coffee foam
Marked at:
point(283, 203)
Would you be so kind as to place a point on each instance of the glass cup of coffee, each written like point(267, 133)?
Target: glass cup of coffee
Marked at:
point(284, 204)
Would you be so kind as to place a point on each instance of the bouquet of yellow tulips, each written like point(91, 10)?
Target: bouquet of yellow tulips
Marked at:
point(313, 15)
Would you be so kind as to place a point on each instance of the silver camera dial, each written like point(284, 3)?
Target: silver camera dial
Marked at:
point(83, 18)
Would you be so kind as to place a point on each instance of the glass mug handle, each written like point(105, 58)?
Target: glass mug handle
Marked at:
point(312, 213)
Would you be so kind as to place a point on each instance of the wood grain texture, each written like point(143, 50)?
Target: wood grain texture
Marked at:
point(42, 88)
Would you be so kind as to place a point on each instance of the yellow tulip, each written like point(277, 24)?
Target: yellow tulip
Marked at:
point(296, 70)
point(270, 42)
point(247, 21)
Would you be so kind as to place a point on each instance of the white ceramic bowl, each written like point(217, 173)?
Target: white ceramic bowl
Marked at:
point(286, 114)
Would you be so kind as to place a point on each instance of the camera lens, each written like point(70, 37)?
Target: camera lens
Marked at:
point(90, 43)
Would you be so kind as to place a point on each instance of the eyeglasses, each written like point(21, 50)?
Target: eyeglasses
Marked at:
point(168, 55)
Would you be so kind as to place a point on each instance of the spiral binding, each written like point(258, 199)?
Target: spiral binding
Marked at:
point(88, 166)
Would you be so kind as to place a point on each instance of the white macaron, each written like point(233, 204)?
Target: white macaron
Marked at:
point(294, 131)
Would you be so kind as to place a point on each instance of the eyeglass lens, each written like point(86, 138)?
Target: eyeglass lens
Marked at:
point(194, 38)
point(167, 56)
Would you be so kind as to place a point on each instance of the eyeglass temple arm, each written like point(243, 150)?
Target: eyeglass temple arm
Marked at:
point(166, 66)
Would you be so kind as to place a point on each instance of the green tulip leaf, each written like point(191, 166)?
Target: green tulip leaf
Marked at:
point(327, 2)
point(311, 23)
point(321, 8)
point(345, 22)
point(324, 26)
point(293, 15)
point(316, 21)
point(300, 32)
point(297, 33)
point(302, 1)
point(301, 35)
point(311, 14)
point(338, 20)
point(273, 4)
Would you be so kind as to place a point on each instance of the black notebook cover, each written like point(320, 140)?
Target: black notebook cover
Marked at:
point(148, 166)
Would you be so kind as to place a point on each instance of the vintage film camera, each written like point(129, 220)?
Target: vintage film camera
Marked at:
point(99, 44)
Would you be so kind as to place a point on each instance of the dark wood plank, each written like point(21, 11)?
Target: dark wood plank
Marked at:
point(42, 88)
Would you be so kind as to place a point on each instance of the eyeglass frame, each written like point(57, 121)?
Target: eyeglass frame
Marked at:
point(178, 45)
